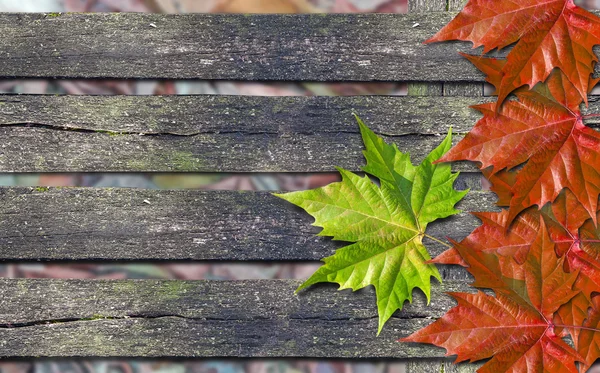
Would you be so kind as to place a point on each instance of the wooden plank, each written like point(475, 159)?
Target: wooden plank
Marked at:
point(129, 224)
point(148, 318)
point(216, 133)
point(463, 89)
point(315, 47)
point(220, 133)
point(235, 47)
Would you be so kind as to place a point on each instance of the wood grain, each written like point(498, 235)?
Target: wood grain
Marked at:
point(148, 318)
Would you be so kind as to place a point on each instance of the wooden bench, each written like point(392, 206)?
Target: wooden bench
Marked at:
point(149, 318)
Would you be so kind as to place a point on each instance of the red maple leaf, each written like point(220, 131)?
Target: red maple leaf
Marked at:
point(493, 237)
point(558, 151)
point(543, 263)
point(516, 327)
point(587, 338)
point(548, 34)
point(502, 183)
point(556, 88)
point(577, 238)
point(570, 228)
point(574, 313)
point(491, 251)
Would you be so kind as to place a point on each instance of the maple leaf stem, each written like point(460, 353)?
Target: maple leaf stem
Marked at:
point(590, 116)
point(436, 240)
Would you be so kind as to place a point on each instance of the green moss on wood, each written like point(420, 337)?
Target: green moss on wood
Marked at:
point(23, 287)
point(126, 286)
point(40, 163)
point(170, 290)
point(184, 161)
point(137, 165)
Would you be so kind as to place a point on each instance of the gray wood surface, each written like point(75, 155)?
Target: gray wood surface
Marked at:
point(456, 5)
point(358, 47)
point(79, 318)
point(130, 224)
point(217, 133)
point(424, 6)
point(220, 133)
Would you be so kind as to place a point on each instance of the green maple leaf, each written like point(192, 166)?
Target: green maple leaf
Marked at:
point(386, 224)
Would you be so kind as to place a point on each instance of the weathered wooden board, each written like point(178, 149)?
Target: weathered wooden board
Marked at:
point(237, 47)
point(215, 133)
point(219, 133)
point(358, 47)
point(77, 318)
point(130, 224)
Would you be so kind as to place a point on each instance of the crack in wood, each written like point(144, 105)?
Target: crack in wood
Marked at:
point(28, 324)
point(118, 133)
point(157, 134)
